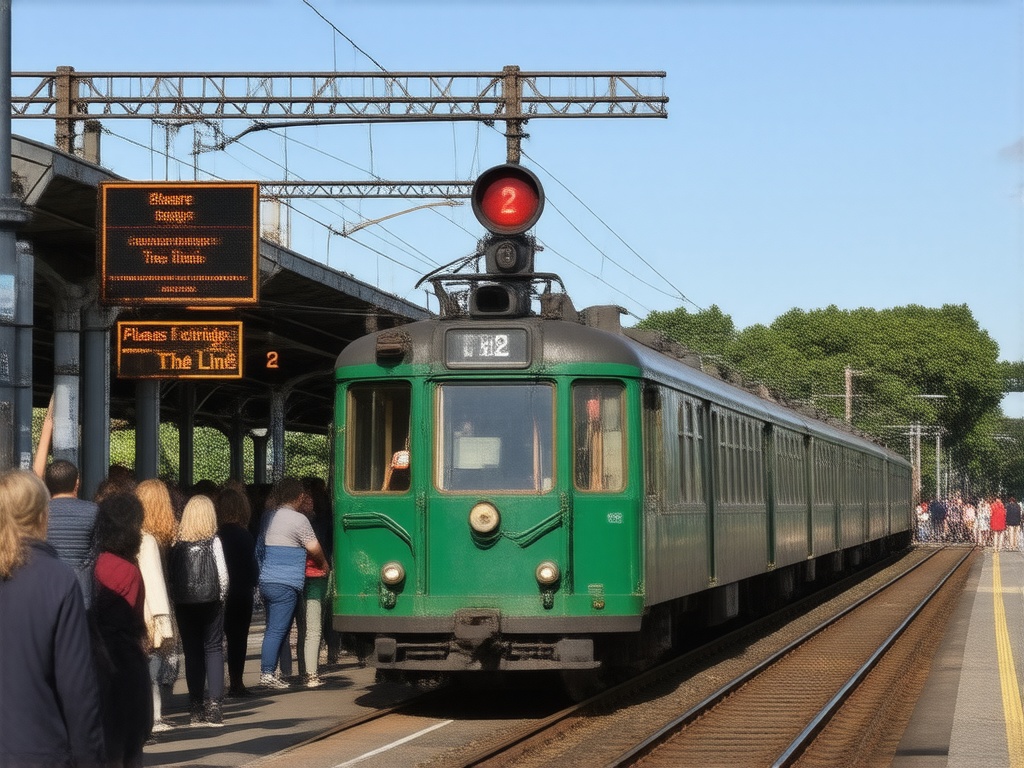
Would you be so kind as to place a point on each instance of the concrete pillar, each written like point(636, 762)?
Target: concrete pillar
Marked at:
point(186, 434)
point(23, 323)
point(277, 402)
point(147, 428)
point(259, 450)
point(95, 462)
point(236, 442)
point(67, 373)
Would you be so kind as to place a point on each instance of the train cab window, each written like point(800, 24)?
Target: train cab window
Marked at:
point(599, 434)
point(377, 456)
point(495, 437)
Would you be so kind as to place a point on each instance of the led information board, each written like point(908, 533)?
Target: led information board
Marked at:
point(184, 243)
point(179, 350)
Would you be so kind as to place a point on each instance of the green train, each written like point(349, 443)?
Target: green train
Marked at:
point(520, 490)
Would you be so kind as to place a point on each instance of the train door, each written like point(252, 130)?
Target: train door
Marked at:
point(607, 520)
point(376, 516)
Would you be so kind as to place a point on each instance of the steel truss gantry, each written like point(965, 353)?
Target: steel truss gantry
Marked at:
point(314, 98)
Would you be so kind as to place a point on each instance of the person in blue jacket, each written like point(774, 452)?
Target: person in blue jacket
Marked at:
point(49, 695)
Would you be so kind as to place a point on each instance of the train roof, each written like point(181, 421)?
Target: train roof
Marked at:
point(560, 342)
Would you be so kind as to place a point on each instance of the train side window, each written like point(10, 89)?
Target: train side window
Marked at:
point(691, 452)
point(599, 435)
point(377, 454)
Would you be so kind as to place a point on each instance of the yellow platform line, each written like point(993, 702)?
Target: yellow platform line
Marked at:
point(1013, 711)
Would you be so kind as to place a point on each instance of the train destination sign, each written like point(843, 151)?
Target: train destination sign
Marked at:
point(505, 348)
point(184, 243)
point(179, 350)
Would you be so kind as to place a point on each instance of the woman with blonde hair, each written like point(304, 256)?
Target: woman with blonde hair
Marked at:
point(50, 698)
point(199, 584)
point(159, 527)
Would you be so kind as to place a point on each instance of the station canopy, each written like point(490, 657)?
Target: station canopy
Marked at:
point(307, 312)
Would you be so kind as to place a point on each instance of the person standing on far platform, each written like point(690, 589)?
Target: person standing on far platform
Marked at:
point(72, 522)
point(1012, 523)
point(983, 523)
point(938, 512)
point(49, 692)
point(998, 522)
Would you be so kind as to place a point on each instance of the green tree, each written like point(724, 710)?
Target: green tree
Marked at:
point(911, 365)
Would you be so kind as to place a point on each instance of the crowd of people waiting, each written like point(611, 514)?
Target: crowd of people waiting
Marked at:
point(100, 599)
point(985, 521)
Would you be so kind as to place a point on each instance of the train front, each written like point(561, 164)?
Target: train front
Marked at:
point(485, 516)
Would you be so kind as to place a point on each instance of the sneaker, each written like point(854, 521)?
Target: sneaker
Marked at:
point(268, 680)
point(214, 716)
point(239, 692)
point(313, 681)
point(160, 726)
point(197, 715)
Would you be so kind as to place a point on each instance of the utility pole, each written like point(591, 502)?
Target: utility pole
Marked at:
point(848, 372)
point(12, 280)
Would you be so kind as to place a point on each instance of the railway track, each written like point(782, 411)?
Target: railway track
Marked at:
point(832, 680)
point(746, 700)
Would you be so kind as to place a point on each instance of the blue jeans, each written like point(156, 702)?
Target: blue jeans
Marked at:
point(279, 601)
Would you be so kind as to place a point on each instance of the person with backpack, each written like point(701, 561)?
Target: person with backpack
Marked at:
point(199, 583)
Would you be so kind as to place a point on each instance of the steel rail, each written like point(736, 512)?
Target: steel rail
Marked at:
point(803, 740)
point(662, 734)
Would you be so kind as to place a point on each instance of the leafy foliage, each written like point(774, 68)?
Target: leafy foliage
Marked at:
point(912, 366)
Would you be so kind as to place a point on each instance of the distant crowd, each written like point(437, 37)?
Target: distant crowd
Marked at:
point(101, 599)
point(985, 522)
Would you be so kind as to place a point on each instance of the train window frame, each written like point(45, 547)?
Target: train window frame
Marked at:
point(387, 438)
point(544, 476)
point(586, 407)
point(691, 449)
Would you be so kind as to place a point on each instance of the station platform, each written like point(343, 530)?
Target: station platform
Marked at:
point(267, 721)
point(970, 714)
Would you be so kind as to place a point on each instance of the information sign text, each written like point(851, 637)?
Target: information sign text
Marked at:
point(179, 350)
point(183, 243)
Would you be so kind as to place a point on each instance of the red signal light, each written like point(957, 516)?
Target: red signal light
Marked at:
point(508, 199)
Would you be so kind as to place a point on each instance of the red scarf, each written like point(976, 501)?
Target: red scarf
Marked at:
point(120, 576)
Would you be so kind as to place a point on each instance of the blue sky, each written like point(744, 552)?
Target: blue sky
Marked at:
point(815, 153)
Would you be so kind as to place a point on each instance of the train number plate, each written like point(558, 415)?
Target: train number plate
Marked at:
point(470, 348)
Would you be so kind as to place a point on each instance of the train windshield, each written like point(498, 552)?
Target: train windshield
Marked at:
point(495, 437)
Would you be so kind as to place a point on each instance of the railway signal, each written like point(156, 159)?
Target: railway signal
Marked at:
point(508, 200)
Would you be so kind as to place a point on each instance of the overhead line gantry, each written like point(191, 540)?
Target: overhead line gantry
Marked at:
point(270, 99)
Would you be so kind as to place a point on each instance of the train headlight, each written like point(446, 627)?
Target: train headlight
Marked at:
point(547, 573)
point(392, 574)
point(484, 518)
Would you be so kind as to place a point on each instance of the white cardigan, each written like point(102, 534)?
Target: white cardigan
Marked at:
point(158, 606)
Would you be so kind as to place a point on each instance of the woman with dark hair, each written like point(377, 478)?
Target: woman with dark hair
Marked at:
point(233, 515)
point(50, 698)
point(118, 614)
